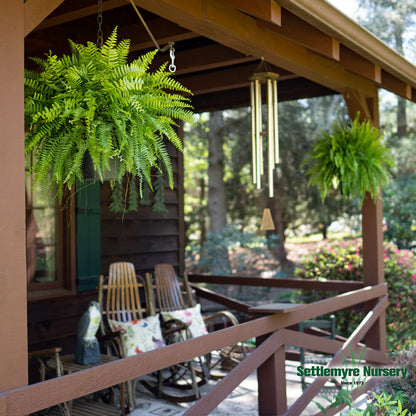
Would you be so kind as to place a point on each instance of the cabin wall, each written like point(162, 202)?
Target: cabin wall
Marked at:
point(145, 238)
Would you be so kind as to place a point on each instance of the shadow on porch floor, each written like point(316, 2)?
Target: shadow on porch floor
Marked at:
point(241, 402)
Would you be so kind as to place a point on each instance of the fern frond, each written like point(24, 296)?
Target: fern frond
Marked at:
point(94, 100)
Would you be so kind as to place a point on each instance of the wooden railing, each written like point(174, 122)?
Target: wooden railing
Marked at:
point(268, 358)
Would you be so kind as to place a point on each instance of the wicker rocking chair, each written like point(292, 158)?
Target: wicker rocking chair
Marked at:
point(182, 320)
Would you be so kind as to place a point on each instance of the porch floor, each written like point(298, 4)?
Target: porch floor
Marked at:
point(242, 401)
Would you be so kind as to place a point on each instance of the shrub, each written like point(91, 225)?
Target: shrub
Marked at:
point(343, 261)
point(404, 359)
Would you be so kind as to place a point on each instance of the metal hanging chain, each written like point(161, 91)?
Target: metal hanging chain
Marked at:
point(172, 66)
point(100, 22)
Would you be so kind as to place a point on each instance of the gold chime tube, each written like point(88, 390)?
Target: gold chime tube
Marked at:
point(276, 123)
point(259, 147)
point(253, 131)
point(270, 127)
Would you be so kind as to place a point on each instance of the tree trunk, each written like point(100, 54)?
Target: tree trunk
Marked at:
point(276, 210)
point(201, 219)
point(401, 118)
point(401, 102)
point(217, 209)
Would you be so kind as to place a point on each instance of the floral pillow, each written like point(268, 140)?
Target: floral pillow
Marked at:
point(140, 335)
point(190, 316)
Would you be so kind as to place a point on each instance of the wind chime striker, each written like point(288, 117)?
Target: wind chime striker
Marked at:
point(266, 80)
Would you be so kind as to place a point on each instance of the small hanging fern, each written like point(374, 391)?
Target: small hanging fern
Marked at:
point(94, 101)
point(352, 158)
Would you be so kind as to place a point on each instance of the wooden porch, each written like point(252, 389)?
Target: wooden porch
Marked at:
point(317, 51)
point(270, 324)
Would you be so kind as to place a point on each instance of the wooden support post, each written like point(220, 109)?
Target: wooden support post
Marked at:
point(372, 223)
point(271, 378)
point(13, 304)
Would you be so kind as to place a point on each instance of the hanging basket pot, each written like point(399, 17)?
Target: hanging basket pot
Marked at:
point(89, 173)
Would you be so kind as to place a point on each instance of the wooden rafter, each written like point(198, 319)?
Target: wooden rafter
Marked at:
point(359, 65)
point(263, 9)
point(36, 11)
point(78, 13)
point(334, 23)
point(223, 79)
point(206, 58)
point(224, 24)
point(294, 28)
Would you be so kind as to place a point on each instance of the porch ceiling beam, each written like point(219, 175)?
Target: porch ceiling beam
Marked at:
point(223, 79)
point(359, 65)
point(78, 13)
point(205, 58)
point(296, 29)
point(333, 22)
point(263, 9)
point(395, 85)
point(222, 23)
point(36, 11)
point(239, 97)
point(163, 30)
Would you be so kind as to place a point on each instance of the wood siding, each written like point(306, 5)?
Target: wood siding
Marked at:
point(144, 238)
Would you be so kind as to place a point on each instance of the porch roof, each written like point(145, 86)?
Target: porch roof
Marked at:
point(315, 48)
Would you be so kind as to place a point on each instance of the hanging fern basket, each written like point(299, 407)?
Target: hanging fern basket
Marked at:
point(90, 174)
point(94, 105)
point(352, 159)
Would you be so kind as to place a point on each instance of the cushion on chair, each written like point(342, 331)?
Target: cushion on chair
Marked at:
point(191, 316)
point(140, 335)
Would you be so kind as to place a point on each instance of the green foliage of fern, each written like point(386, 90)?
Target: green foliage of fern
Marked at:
point(93, 100)
point(351, 158)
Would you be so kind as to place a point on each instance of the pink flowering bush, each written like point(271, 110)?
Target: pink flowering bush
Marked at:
point(342, 260)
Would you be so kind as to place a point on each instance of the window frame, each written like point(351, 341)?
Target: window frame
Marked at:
point(65, 284)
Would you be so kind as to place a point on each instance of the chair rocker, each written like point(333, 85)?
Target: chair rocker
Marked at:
point(124, 299)
point(182, 320)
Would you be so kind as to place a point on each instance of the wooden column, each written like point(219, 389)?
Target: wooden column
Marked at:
point(372, 223)
point(13, 305)
point(271, 378)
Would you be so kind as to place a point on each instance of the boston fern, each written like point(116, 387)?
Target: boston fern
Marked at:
point(351, 158)
point(93, 100)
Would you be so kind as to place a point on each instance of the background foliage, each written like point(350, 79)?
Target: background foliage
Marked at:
point(342, 260)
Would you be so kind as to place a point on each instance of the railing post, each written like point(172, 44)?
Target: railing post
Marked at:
point(271, 378)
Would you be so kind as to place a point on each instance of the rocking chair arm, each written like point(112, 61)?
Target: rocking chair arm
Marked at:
point(109, 336)
point(167, 329)
point(225, 315)
point(47, 351)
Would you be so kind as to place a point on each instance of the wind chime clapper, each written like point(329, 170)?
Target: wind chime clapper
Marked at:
point(267, 223)
point(267, 80)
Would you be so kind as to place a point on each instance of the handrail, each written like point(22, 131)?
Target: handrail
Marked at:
point(355, 337)
point(29, 399)
point(307, 284)
point(285, 337)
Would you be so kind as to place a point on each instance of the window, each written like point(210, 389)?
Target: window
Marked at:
point(49, 242)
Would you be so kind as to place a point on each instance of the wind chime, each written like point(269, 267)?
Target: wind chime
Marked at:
point(265, 80)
